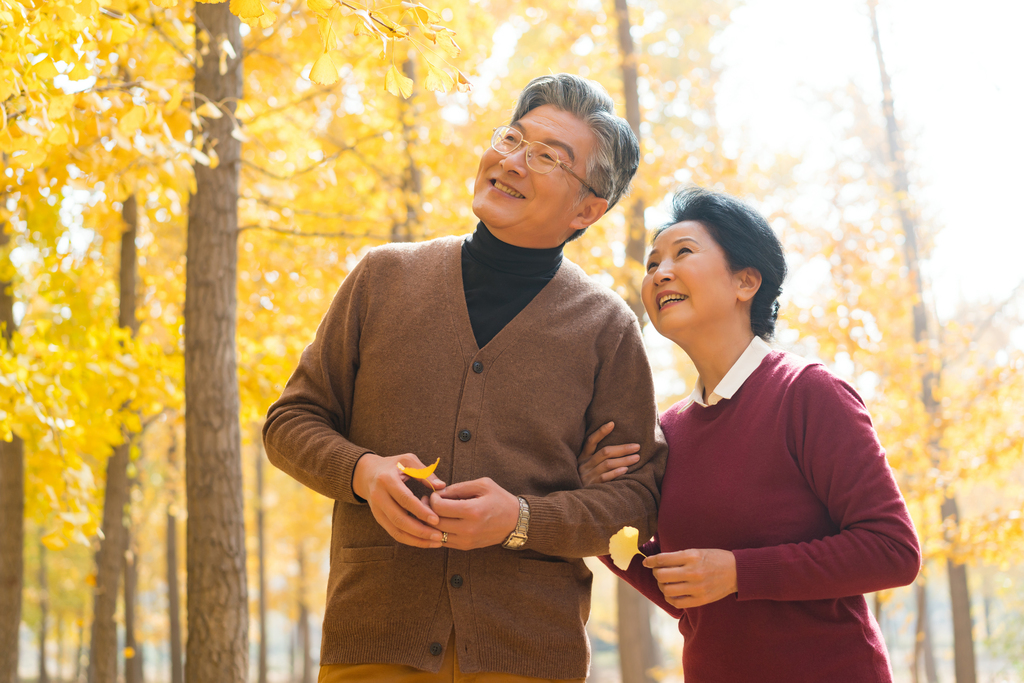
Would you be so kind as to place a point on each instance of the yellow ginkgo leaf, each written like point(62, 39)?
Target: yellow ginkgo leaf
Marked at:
point(246, 9)
point(623, 546)
point(419, 472)
point(320, 6)
point(210, 110)
point(397, 83)
point(129, 652)
point(324, 72)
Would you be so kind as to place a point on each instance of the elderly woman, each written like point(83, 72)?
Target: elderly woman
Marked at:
point(778, 508)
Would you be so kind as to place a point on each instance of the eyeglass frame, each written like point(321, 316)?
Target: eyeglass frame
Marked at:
point(558, 162)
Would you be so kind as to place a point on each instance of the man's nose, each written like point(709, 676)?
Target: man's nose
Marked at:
point(515, 161)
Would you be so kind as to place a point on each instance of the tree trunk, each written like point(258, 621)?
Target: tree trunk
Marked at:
point(963, 640)
point(58, 629)
point(12, 511)
point(304, 644)
point(133, 663)
point(173, 591)
point(960, 598)
point(638, 651)
point(636, 230)
point(44, 613)
point(411, 184)
point(924, 652)
point(114, 540)
point(218, 613)
point(80, 652)
point(261, 558)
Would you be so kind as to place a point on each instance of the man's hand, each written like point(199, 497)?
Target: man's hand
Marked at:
point(691, 578)
point(475, 514)
point(609, 462)
point(404, 516)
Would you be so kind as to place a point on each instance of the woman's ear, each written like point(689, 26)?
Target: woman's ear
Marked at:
point(748, 281)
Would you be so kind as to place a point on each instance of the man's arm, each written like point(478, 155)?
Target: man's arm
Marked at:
point(577, 523)
point(305, 428)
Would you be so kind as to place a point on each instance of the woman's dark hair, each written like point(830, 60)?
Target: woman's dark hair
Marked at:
point(747, 240)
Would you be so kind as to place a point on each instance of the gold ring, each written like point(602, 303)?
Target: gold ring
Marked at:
point(444, 537)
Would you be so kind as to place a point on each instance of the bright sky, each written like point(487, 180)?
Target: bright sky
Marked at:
point(958, 81)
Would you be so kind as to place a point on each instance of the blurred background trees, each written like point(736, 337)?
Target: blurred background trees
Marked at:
point(136, 133)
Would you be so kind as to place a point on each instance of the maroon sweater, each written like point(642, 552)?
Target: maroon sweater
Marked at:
point(790, 476)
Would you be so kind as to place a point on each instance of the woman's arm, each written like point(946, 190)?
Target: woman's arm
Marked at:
point(642, 578)
point(607, 463)
point(829, 433)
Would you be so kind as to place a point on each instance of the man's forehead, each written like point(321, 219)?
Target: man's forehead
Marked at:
point(555, 127)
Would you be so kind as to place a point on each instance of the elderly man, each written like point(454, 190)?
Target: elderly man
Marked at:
point(497, 357)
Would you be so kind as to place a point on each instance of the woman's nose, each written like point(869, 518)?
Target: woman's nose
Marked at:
point(663, 273)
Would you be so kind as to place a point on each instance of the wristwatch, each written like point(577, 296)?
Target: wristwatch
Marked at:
point(517, 538)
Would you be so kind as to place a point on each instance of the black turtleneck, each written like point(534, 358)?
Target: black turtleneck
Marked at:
point(501, 279)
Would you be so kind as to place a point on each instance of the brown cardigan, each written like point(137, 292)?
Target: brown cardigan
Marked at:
point(392, 371)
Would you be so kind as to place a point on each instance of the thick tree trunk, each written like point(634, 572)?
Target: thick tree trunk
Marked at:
point(636, 237)
point(132, 664)
point(304, 644)
point(960, 598)
point(44, 614)
point(261, 558)
point(173, 591)
point(638, 651)
point(12, 512)
point(218, 616)
point(963, 640)
point(114, 541)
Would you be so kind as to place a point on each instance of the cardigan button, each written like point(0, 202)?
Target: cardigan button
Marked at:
point(456, 581)
point(478, 367)
point(464, 435)
point(436, 649)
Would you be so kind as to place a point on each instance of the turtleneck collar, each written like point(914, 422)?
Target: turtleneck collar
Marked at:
point(490, 251)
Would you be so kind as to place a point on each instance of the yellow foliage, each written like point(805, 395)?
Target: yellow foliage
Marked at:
point(247, 9)
point(324, 72)
point(397, 83)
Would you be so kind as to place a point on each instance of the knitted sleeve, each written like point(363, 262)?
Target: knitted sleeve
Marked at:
point(305, 428)
point(830, 435)
point(579, 523)
point(641, 578)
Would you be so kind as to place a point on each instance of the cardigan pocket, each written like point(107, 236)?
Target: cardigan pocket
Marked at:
point(379, 553)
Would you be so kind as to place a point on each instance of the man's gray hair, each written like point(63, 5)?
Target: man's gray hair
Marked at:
point(611, 168)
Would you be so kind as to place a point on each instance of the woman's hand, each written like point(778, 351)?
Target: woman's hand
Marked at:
point(691, 578)
point(607, 463)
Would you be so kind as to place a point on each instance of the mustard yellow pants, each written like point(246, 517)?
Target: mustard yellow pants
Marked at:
point(398, 673)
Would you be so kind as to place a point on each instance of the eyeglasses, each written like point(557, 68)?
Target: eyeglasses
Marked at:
point(539, 157)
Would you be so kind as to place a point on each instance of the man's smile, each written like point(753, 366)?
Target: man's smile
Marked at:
point(507, 190)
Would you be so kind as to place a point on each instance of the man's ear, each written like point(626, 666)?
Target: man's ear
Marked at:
point(588, 212)
point(748, 281)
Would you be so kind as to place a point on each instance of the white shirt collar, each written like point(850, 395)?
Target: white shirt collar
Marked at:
point(737, 375)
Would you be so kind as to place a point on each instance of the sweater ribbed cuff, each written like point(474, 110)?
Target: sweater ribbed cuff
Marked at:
point(758, 574)
point(543, 535)
point(341, 467)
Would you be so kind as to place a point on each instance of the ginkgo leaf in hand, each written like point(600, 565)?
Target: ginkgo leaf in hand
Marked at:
point(623, 546)
point(419, 472)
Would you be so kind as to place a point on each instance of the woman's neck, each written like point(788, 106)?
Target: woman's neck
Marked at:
point(715, 352)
